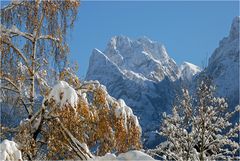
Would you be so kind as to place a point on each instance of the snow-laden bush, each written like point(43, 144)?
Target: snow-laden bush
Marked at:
point(9, 151)
point(99, 120)
point(199, 129)
point(71, 120)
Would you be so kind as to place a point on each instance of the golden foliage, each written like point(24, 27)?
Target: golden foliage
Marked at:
point(70, 77)
point(96, 125)
point(93, 122)
point(33, 33)
point(25, 138)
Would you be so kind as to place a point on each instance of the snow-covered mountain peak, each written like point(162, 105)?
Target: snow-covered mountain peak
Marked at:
point(153, 48)
point(118, 42)
point(194, 67)
point(228, 49)
point(233, 34)
point(188, 70)
point(145, 40)
point(141, 57)
point(125, 46)
point(139, 72)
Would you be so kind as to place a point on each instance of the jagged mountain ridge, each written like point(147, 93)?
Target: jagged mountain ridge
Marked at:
point(140, 72)
point(142, 56)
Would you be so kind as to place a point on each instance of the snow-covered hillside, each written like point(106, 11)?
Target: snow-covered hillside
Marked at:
point(9, 151)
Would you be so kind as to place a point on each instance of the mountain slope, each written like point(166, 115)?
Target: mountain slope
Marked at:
point(223, 66)
point(140, 72)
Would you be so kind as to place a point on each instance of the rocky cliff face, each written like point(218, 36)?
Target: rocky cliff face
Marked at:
point(136, 71)
point(140, 72)
point(223, 65)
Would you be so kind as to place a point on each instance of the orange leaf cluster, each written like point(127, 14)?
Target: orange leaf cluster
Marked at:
point(95, 124)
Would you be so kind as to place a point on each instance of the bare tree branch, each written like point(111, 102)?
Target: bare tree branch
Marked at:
point(18, 52)
point(77, 145)
point(10, 89)
point(11, 82)
point(10, 6)
point(17, 90)
point(16, 32)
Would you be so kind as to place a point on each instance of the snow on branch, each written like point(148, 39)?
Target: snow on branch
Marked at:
point(63, 94)
point(10, 89)
point(50, 37)
point(123, 110)
point(202, 133)
point(17, 90)
point(11, 82)
point(14, 31)
point(80, 148)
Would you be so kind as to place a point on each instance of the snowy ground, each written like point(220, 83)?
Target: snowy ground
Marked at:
point(9, 151)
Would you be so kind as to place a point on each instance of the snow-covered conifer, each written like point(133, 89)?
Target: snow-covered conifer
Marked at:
point(199, 129)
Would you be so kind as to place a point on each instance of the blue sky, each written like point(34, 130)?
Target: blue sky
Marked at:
point(189, 30)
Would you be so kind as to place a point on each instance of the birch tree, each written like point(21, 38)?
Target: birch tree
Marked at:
point(32, 39)
point(70, 121)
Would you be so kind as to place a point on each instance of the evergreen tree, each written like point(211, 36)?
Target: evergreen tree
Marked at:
point(199, 129)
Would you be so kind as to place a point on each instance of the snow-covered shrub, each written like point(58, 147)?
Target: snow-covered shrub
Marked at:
point(97, 119)
point(9, 151)
point(71, 120)
point(199, 129)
